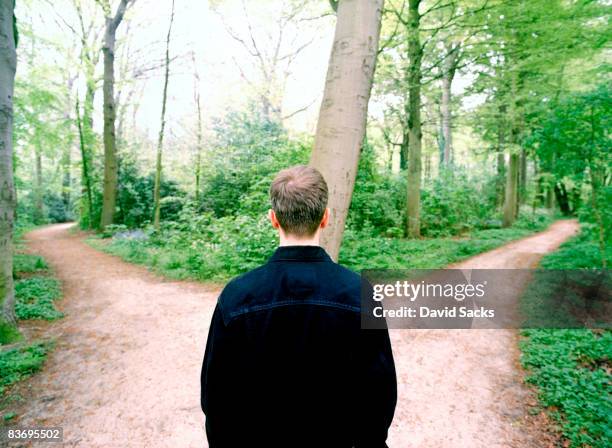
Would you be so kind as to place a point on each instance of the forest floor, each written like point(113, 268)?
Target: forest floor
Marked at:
point(126, 367)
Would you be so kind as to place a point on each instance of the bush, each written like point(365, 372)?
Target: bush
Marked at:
point(453, 203)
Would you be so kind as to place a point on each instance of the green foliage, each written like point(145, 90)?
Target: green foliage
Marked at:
point(250, 151)
point(362, 251)
point(453, 203)
point(134, 197)
point(8, 334)
point(580, 252)
point(19, 363)
point(28, 263)
point(203, 247)
point(34, 298)
point(571, 368)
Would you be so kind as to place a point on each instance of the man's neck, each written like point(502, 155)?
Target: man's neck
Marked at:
point(291, 240)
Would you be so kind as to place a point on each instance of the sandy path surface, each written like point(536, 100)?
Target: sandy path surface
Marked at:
point(463, 388)
point(125, 372)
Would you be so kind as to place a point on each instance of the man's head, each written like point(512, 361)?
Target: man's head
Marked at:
point(299, 201)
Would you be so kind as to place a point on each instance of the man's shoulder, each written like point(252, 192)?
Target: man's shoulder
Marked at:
point(337, 284)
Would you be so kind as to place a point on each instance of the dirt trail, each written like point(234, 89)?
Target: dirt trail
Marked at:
point(125, 372)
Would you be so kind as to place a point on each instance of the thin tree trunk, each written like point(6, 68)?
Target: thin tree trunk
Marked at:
point(8, 63)
point(85, 166)
point(66, 178)
point(344, 109)
point(523, 176)
point(160, 141)
point(511, 195)
point(110, 145)
point(415, 54)
point(38, 187)
point(198, 161)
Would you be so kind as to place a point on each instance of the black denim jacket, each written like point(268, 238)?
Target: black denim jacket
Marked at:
point(287, 363)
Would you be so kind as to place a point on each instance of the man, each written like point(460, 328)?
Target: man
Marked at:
point(286, 363)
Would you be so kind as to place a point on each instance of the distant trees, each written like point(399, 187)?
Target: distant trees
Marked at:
point(8, 64)
point(343, 114)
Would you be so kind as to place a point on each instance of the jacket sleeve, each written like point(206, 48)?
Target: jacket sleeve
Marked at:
point(215, 380)
point(378, 389)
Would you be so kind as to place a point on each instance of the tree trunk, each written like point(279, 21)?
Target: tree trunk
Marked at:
point(110, 147)
point(511, 195)
point(415, 54)
point(344, 109)
point(198, 157)
point(8, 63)
point(449, 68)
point(86, 176)
point(523, 177)
point(160, 140)
point(66, 177)
point(38, 187)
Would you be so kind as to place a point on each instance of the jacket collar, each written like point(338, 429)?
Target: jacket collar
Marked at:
point(300, 253)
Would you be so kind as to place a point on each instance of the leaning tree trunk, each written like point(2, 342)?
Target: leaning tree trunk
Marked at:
point(415, 54)
point(344, 109)
point(110, 145)
point(8, 63)
point(160, 140)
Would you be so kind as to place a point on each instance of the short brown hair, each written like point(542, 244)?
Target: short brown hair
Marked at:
point(299, 198)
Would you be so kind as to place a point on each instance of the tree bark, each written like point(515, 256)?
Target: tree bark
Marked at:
point(198, 156)
point(8, 64)
point(160, 140)
point(38, 186)
point(511, 195)
point(415, 55)
point(110, 146)
point(85, 174)
point(344, 109)
point(449, 67)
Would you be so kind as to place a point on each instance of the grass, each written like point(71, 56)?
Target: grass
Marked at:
point(19, 363)
point(571, 367)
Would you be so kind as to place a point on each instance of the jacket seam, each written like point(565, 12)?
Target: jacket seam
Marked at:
point(232, 315)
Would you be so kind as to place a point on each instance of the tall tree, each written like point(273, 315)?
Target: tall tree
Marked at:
point(344, 108)
point(8, 64)
point(415, 56)
point(110, 146)
point(160, 140)
point(198, 155)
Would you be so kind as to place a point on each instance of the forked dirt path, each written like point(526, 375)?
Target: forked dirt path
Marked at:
point(125, 372)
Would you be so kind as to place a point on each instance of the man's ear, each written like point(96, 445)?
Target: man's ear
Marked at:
point(273, 219)
point(325, 219)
